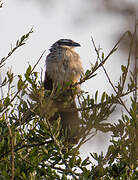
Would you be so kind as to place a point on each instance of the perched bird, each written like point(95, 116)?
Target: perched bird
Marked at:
point(63, 65)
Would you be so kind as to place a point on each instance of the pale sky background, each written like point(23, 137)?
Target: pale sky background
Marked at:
point(56, 20)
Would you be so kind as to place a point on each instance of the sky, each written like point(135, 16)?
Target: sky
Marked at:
point(56, 20)
point(50, 24)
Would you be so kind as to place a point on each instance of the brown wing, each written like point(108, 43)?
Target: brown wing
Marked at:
point(48, 82)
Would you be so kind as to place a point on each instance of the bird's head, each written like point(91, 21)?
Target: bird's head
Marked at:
point(65, 43)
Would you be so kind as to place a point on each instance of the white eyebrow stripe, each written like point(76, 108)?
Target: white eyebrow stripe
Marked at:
point(65, 40)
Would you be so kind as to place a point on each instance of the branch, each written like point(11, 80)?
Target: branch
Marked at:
point(5, 108)
point(136, 62)
point(32, 145)
point(19, 43)
point(91, 74)
point(107, 73)
point(60, 149)
point(12, 149)
point(1, 4)
point(38, 61)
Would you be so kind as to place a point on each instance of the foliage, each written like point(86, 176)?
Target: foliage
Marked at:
point(31, 147)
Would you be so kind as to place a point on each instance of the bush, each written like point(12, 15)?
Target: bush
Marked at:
point(32, 147)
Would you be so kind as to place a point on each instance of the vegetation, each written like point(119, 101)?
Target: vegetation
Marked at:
point(31, 147)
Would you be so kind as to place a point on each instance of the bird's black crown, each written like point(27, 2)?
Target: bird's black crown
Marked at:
point(67, 42)
point(64, 42)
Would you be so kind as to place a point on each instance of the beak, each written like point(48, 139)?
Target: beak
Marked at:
point(75, 44)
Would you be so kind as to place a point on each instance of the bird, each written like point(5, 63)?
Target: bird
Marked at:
point(63, 65)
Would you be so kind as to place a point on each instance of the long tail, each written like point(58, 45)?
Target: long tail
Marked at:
point(70, 122)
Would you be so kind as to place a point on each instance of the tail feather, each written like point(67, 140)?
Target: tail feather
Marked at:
point(70, 122)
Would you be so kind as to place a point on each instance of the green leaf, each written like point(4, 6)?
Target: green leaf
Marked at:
point(86, 162)
point(4, 81)
point(10, 76)
point(96, 64)
point(20, 84)
point(124, 69)
point(96, 95)
point(28, 71)
point(6, 101)
point(102, 55)
point(24, 176)
point(103, 97)
point(130, 34)
point(114, 50)
point(22, 38)
point(87, 72)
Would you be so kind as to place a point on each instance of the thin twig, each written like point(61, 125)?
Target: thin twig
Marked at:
point(11, 137)
point(18, 44)
point(5, 108)
point(60, 150)
point(32, 145)
point(136, 63)
point(38, 61)
point(135, 96)
point(90, 75)
point(12, 149)
point(128, 64)
point(1, 85)
point(108, 75)
point(2, 93)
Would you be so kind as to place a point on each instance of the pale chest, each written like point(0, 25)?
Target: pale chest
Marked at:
point(64, 65)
